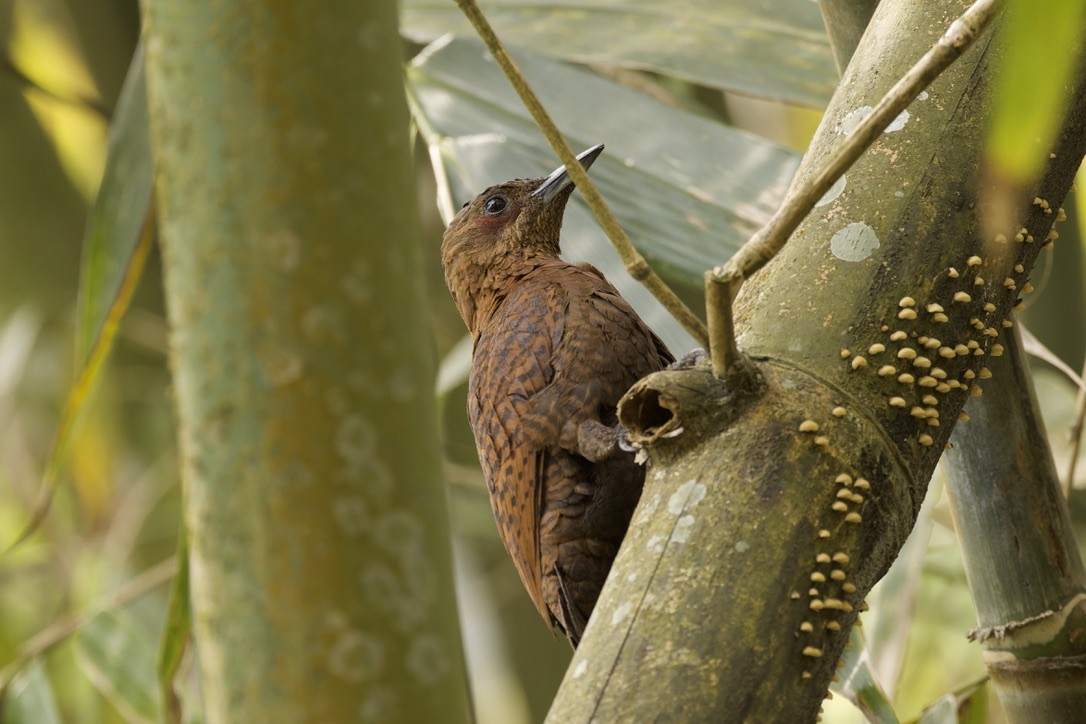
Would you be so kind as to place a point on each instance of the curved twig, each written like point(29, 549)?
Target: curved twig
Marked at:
point(723, 282)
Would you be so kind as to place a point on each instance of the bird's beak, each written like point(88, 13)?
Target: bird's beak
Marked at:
point(560, 180)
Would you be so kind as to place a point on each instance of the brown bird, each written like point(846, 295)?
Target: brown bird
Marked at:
point(555, 349)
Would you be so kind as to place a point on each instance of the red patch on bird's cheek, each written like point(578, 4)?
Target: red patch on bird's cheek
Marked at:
point(494, 225)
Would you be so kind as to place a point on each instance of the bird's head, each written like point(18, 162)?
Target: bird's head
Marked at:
point(504, 224)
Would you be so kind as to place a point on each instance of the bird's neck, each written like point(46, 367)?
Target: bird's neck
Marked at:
point(487, 288)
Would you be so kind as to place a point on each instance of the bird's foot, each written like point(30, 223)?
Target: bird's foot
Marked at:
point(597, 442)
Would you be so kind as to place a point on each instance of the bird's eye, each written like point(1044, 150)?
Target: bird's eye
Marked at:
point(495, 205)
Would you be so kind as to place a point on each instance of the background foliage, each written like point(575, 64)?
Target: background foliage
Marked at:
point(705, 108)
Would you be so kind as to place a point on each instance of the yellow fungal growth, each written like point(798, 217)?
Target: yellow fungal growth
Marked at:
point(977, 324)
point(821, 441)
point(978, 282)
point(805, 675)
point(961, 350)
point(969, 374)
point(848, 588)
point(897, 402)
point(833, 626)
point(1027, 288)
point(978, 352)
point(816, 605)
point(942, 387)
point(806, 627)
point(930, 400)
point(938, 373)
point(940, 318)
point(859, 362)
point(972, 344)
point(808, 426)
point(876, 348)
point(928, 381)
point(932, 343)
point(974, 261)
point(1019, 237)
point(1061, 215)
point(844, 479)
point(962, 297)
point(1007, 324)
point(946, 353)
point(906, 353)
point(933, 308)
point(838, 411)
point(822, 558)
point(887, 370)
point(814, 653)
point(843, 493)
point(898, 336)
point(817, 577)
point(840, 506)
point(989, 307)
point(918, 411)
point(813, 592)
point(1052, 235)
point(1000, 239)
point(922, 362)
point(795, 595)
point(932, 422)
point(991, 332)
point(862, 484)
point(907, 314)
point(1009, 283)
point(952, 273)
point(845, 353)
point(853, 518)
point(963, 417)
point(841, 557)
point(905, 378)
point(823, 533)
point(1019, 307)
point(976, 391)
point(1029, 238)
point(837, 575)
point(997, 350)
point(907, 302)
point(1019, 268)
point(925, 439)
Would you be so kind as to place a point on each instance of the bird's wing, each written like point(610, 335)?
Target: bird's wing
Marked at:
point(511, 365)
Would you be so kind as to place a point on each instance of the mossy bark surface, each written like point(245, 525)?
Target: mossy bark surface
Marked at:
point(768, 514)
point(303, 367)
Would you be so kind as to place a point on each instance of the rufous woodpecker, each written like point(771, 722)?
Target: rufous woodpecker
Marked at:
point(556, 346)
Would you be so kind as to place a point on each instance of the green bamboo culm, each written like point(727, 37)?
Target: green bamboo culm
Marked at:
point(303, 370)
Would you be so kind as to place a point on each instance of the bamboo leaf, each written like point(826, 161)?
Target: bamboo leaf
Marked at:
point(177, 632)
point(117, 655)
point(119, 237)
point(775, 49)
point(117, 219)
point(688, 197)
point(29, 698)
point(1031, 84)
point(965, 705)
point(858, 683)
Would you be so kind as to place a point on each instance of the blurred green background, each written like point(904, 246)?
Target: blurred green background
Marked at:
point(702, 140)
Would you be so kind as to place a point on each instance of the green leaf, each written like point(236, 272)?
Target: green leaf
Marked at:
point(119, 236)
point(117, 218)
point(858, 683)
point(687, 190)
point(1034, 75)
point(29, 699)
point(893, 599)
point(774, 49)
point(118, 656)
point(177, 632)
point(965, 705)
